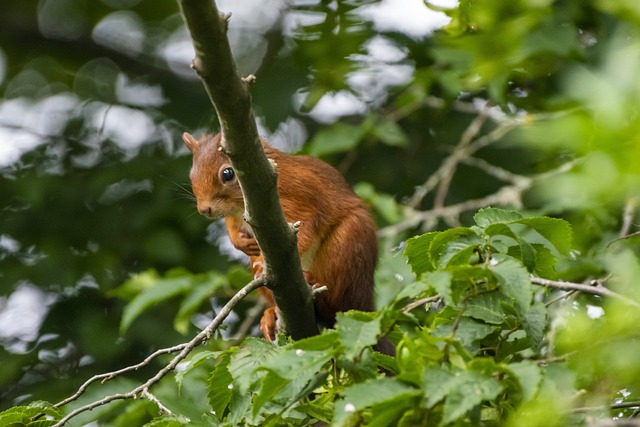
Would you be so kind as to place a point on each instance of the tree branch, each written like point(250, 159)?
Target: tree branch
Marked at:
point(598, 289)
point(185, 349)
point(231, 98)
point(507, 195)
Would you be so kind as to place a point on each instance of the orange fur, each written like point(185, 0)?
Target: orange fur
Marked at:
point(336, 238)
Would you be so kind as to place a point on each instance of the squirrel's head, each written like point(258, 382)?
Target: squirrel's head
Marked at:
point(213, 180)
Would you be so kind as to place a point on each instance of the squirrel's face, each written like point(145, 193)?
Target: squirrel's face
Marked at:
point(213, 180)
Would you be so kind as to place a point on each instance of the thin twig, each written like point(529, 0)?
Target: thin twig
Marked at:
point(595, 290)
point(620, 405)
point(415, 304)
point(150, 397)
point(110, 375)
point(186, 348)
point(451, 163)
point(507, 195)
point(627, 217)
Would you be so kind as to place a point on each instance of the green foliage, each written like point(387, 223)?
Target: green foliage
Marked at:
point(94, 221)
point(471, 358)
point(36, 414)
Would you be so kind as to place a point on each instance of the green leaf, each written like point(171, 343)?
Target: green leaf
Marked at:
point(194, 299)
point(462, 390)
point(514, 282)
point(162, 290)
point(440, 281)
point(525, 253)
point(468, 332)
point(461, 253)
point(23, 415)
point(486, 307)
point(390, 134)
point(372, 392)
point(328, 340)
point(271, 384)
point(471, 388)
point(436, 383)
point(500, 229)
point(247, 358)
point(383, 204)
point(168, 421)
point(534, 324)
point(414, 354)
point(336, 138)
point(357, 330)
point(135, 285)
point(557, 231)
point(417, 253)
point(447, 243)
point(488, 216)
point(545, 264)
point(415, 290)
point(295, 364)
point(196, 360)
point(220, 386)
point(528, 375)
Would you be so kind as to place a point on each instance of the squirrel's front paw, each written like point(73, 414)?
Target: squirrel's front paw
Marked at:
point(257, 267)
point(268, 324)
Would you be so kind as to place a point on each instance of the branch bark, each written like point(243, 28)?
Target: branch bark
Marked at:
point(230, 96)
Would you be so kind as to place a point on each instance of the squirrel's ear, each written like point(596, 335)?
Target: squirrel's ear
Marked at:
point(189, 141)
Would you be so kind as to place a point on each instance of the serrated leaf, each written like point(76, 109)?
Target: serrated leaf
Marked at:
point(447, 243)
point(488, 216)
point(529, 375)
point(271, 384)
point(436, 383)
point(195, 361)
point(415, 290)
point(486, 307)
point(460, 253)
point(440, 281)
point(417, 253)
point(545, 264)
point(534, 324)
point(373, 392)
point(514, 282)
point(162, 290)
point(471, 273)
point(468, 332)
point(525, 253)
point(328, 340)
point(557, 231)
point(500, 229)
point(471, 388)
point(357, 330)
point(337, 138)
point(247, 358)
point(220, 386)
point(23, 415)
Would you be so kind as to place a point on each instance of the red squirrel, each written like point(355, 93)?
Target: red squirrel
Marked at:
point(336, 237)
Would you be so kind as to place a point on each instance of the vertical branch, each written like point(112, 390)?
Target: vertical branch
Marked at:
point(230, 96)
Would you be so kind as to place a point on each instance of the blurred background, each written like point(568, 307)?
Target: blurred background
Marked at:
point(540, 99)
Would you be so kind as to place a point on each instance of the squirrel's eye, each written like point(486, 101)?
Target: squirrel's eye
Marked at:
point(227, 175)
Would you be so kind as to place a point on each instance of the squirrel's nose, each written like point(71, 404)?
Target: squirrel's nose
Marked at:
point(205, 211)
